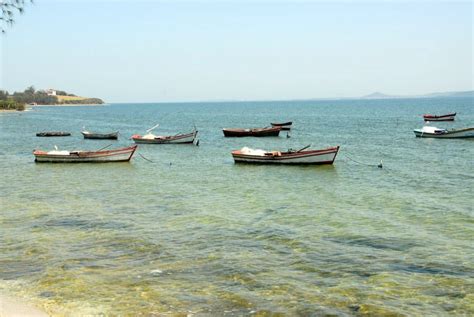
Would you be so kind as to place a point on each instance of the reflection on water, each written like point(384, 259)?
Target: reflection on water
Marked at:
point(191, 232)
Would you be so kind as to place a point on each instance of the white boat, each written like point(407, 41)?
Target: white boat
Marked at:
point(434, 132)
point(62, 156)
point(93, 135)
point(324, 156)
point(150, 138)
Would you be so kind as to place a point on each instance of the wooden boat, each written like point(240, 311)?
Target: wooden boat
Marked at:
point(283, 125)
point(52, 133)
point(91, 135)
point(118, 155)
point(170, 139)
point(433, 132)
point(444, 117)
point(324, 156)
point(257, 132)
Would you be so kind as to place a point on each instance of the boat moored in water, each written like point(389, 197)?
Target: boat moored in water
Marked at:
point(257, 132)
point(283, 125)
point(170, 139)
point(52, 133)
point(105, 136)
point(57, 156)
point(433, 132)
point(444, 117)
point(303, 156)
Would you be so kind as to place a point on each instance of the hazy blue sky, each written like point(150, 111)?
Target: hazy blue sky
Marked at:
point(246, 50)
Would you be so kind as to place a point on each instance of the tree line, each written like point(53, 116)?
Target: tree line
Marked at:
point(30, 95)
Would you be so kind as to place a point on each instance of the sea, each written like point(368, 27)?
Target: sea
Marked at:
point(181, 230)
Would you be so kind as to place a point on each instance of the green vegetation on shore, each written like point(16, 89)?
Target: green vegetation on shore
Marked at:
point(18, 100)
point(7, 103)
point(11, 105)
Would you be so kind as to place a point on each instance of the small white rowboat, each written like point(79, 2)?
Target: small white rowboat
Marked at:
point(171, 139)
point(92, 135)
point(433, 132)
point(118, 155)
point(324, 156)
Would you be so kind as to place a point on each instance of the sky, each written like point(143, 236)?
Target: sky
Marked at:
point(171, 51)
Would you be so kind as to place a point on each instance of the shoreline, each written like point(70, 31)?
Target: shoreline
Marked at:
point(71, 105)
point(15, 307)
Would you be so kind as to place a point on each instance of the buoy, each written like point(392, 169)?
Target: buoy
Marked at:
point(380, 165)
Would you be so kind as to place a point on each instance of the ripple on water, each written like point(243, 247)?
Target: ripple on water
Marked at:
point(206, 237)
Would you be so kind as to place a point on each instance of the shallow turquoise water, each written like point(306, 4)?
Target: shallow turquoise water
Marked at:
point(194, 233)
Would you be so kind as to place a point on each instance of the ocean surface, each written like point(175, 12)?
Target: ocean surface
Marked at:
point(188, 232)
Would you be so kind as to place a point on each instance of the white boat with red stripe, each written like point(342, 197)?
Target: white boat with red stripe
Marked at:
point(161, 139)
point(302, 156)
point(61, 156)
point(434, 132)
point(179, 138)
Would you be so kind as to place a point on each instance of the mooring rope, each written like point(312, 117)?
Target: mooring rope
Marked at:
point(380, 165)
point(145, 158)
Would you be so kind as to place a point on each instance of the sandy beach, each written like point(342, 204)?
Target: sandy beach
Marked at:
point(15, 307)
point(10, 111)
point(72, 105)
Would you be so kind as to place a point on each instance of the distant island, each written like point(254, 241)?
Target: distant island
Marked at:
point(450, 94)
point(30, 96)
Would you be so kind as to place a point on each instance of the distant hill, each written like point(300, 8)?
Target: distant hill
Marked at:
point(377, 95)
point(468, 93)
point(450, 94)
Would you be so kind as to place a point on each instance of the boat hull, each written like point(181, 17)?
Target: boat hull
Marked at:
point(446, 117)
point(100, 136)
point(118, 155)
point(284, 125)
point(312, 157)
point(449, 134)
point(258, 132)
point(174, 139)
point(52, 134)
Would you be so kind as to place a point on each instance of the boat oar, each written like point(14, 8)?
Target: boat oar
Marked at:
point(304, 148)
point(154, 127)
point(103, 148)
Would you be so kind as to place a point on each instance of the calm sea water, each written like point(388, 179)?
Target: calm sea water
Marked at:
point(193, 233)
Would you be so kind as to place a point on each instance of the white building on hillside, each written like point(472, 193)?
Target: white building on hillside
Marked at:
point(51, 92)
